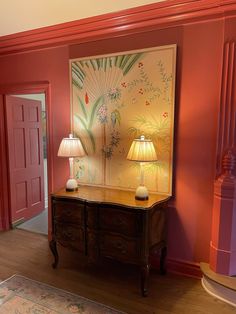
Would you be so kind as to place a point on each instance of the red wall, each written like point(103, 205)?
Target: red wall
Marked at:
point(50, 65)
point(197, 100)
point(199, 59)
point(196, 140)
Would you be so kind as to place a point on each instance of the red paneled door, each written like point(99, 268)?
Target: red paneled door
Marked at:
point(25, 147)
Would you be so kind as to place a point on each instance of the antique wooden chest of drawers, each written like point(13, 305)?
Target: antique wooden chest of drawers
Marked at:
point(108, 223)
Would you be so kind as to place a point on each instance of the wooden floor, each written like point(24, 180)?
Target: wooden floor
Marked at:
point(113, 284)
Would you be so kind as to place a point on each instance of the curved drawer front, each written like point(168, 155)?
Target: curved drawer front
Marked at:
point(119, 248)
point(122, 221)
point(92, 216)
point(68, 212)
point(70, 236)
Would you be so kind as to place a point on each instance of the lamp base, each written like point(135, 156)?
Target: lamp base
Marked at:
point(71, 185)
point(71, 190)
point(141, 193)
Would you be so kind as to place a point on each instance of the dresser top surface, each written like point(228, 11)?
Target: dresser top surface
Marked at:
point(111, 196)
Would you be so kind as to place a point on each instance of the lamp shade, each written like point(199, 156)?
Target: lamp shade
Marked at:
point(142, 150)
point(71, 147)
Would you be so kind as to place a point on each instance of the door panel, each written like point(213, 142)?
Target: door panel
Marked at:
point(34, 147)
point(21, 196)
point(36, 190)
point(19, 148)
point(25, 150)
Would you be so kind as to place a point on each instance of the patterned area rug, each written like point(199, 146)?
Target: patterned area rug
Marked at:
point(20, 295)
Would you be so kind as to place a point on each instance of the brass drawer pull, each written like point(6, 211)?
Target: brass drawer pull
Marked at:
point(121, 247)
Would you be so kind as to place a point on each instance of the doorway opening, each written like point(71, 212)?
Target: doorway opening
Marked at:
point(37, 221)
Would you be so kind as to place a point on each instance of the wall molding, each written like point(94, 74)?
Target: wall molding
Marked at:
point(227, 112)
point(130, 21)
point(186, 268)
point(4, 201)
point(180, 267)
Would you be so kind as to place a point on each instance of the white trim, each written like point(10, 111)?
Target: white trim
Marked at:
point(218, 291)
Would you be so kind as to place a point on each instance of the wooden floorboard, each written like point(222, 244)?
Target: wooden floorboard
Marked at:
point(116, 285)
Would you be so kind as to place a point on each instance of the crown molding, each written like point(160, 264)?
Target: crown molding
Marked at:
point(159, 15)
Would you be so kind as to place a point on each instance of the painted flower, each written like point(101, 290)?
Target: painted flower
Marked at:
point(124, 84)
point(114, 94)
point(140, 91)
point(165, 114)
point(140, 65)
point(102, 114)
point(115, 138)
point(108, 151)
point(114, 142)
point(147, 103)
point(76, 308)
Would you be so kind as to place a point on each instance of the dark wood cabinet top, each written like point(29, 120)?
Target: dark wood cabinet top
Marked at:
point(111, 196)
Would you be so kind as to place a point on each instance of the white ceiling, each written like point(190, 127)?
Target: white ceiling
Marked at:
point(21, 15)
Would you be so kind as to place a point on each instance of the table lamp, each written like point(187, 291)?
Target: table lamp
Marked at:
point(142, 150)
point(71, 147)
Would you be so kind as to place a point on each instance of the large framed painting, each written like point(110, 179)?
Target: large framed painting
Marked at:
point(119, 97)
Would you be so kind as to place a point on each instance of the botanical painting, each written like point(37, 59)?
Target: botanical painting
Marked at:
point(115, 99)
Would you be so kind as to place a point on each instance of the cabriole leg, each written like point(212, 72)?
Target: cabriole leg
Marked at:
point(144, 279)
point(53, 247)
